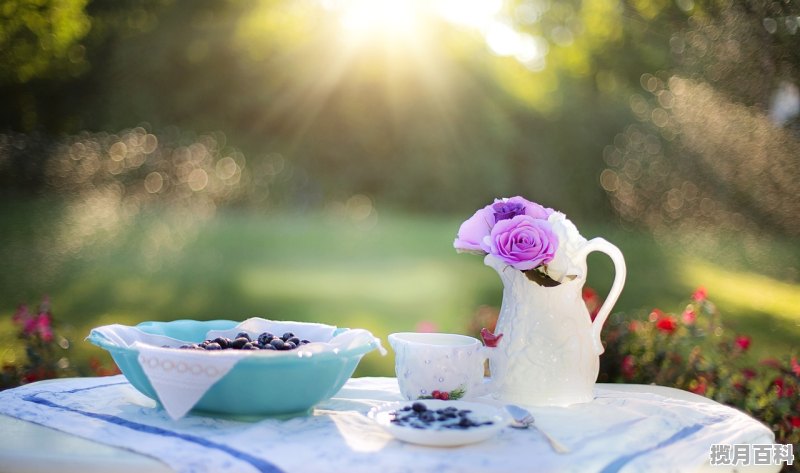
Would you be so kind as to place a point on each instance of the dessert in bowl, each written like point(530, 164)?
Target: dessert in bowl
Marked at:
point(257, 382)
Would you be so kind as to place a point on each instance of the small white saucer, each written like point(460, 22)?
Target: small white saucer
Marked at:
point(443, 437)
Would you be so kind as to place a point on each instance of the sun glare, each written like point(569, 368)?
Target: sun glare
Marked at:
point(367, 18)
point(405, 23)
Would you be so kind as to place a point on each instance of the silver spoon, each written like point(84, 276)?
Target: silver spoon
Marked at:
point(523, 420)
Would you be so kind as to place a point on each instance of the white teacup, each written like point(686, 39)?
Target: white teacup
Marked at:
point(443, 362)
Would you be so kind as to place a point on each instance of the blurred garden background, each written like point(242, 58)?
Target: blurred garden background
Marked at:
point(313, 159)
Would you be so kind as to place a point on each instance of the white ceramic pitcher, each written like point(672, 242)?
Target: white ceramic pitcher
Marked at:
point(549, 351)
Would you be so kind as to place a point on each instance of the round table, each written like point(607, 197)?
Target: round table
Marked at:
point(28, 447)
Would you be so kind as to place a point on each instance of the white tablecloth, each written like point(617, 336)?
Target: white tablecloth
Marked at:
point(621, 430)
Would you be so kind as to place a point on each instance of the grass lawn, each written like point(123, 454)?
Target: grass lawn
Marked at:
point(385, 277)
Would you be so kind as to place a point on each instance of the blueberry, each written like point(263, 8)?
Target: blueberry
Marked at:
point(294, 340)
point(290, 345)
point(406, 408)
point(239, 342)
point(249, 346)
point(268, 347)
point(244, 335)
point(419, 407)
point(304, 342)
point(265, 338)
point(286, 336)
point(222, 341)
point(277, 344)
point(213, 346)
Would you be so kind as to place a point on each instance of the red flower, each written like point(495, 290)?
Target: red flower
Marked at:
point(700, 294)
point(748, 373)
point(592, 301)
point(771, 363)
point(689, 316)
point(698, 387)
point(628, 367)
point(781, 389)
point(795, 366)
point(795, 421)
point(634, 326)
point(667, 324)
point(743, 342)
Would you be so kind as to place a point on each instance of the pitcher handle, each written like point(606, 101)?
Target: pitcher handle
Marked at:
point(620, 271)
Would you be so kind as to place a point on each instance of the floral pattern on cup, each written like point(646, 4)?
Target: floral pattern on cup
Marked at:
point(428, 363)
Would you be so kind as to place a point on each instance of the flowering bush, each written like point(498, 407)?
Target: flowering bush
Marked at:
point(46, 351)
point(692, 350)
point(536, 240)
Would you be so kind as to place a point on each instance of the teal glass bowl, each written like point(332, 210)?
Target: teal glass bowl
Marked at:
point(257, 385)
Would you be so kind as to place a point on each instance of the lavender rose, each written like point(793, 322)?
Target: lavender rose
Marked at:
point(524, 242)
point(473, 232)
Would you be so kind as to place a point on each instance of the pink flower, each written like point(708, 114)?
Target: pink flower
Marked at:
point(689, 316)
point(743, 342)
point(21, 316)
point(426, 326)
point(700, 294)
point(795, 366)
point(39, 325)
point(655, 315)
point(628, 367)
point(667, 324)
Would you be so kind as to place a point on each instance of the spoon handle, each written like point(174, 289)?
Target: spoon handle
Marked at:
point(557, 446)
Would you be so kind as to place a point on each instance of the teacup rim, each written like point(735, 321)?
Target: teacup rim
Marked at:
point(402, 336)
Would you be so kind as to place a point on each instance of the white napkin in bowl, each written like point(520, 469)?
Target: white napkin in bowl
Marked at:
point(182, 377)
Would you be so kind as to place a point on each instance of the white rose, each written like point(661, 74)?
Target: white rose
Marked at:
point(563, 265)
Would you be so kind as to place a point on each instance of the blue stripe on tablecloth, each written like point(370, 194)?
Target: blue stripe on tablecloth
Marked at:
point(261, 465)
point(77, 390)
point(617, 464)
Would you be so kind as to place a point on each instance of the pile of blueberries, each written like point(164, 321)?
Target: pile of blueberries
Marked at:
point(265, 341)
point(419, 416)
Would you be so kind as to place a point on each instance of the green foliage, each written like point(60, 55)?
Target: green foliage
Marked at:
point(41, 38)
point(695, 351)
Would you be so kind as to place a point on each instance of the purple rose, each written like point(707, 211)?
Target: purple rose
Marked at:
point(524, 242)
point(505, 209)
point(474, 230)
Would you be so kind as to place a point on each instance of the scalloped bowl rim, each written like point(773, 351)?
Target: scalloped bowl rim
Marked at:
point(336, 366)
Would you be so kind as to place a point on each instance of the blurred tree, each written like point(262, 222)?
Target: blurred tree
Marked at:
point(428, 114)
point(717, 135)
point(40, 38)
